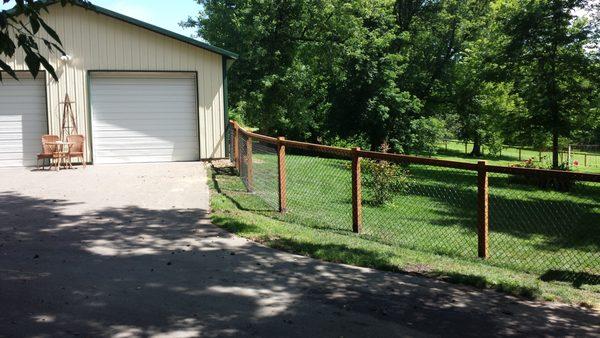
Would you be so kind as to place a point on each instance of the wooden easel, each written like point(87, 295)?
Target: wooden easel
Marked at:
point(69, 121)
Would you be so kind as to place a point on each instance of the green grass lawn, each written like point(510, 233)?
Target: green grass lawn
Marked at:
point(455, 150)
point(543, 243)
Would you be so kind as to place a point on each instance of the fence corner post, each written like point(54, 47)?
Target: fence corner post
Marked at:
point(482, 211)
point(249, 165)
point(282, 174)
point(236, 144)
point(356, 192)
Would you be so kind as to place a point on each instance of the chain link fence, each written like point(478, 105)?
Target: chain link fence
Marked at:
point(319, 189)
point(545, 227)
point(420, 207)
point(548, 226)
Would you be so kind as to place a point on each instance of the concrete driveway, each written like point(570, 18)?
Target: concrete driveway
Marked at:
point(129, 251)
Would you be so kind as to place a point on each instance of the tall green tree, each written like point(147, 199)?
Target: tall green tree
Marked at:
point(501, 70)
point(549, 62)
point(311, 69)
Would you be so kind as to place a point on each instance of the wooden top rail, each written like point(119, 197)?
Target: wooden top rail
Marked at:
point(318, 147)
point(296, 144)
point(259, 137)
point(417, 160)
point(349, 153)
point(543, 172)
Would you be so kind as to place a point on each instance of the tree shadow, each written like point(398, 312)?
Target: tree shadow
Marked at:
point(565, 223)
point(578, 279)
point(135, 271)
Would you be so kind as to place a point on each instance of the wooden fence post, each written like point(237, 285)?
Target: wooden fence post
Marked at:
point(585, 160)
point(249, 169)
point(356, 192)
point(519, 154)
point(482, 211)
point(540, 156)
point(235, 141)
point(282, 174)
point(466, 150)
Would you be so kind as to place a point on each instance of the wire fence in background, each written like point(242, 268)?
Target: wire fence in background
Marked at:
point(579, 156)
point(527, 220)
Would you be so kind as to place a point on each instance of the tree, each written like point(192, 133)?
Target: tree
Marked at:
point(277, 82)
point(312, 69)
point(485, 100)
point(20, 28)
point(549, 62)
point(381, 70)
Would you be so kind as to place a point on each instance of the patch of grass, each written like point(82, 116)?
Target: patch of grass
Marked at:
point(318, 225)
point(456, 151)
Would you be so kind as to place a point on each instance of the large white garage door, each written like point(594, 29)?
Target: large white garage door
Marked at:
point(144, 118)
point(22, 120)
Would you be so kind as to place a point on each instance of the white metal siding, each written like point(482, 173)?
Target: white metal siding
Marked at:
point(98, 42)
point(22, 121)
point(144, 119)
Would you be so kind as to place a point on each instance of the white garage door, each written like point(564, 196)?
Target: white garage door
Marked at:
point(22, 120)
point(144, 118)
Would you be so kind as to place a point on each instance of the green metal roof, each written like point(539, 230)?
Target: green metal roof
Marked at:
point(156, 29)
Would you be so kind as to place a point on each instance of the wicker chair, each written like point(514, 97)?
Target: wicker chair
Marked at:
point(76, 150)
point(48, 150)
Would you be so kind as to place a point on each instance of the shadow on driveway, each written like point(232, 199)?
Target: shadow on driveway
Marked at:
point(130, 270)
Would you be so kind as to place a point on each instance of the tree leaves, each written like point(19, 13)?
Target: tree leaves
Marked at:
point(23, 25)
point(324, 69)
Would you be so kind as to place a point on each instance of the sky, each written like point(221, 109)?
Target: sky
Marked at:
point(163, 13)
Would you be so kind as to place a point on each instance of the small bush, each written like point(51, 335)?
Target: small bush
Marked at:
point(382, 180)
point(351, 142)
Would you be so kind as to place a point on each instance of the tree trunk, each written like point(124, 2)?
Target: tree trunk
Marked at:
point(476, 147)
point(555, 149)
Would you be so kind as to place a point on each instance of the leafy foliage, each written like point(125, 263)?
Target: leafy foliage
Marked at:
point(388, 71)
point(427, 133)
point(382, 181)
point(21, 28)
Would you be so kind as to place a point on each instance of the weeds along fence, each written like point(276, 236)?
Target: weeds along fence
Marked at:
point(586, 156)
point(529, 220)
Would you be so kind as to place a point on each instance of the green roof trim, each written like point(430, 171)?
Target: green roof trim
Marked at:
point(156, 29)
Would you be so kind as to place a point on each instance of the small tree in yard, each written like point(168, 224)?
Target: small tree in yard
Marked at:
point(382, 180)
point(20, 28)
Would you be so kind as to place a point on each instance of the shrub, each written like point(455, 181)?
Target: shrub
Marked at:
point(382, 180)
point(351, 142)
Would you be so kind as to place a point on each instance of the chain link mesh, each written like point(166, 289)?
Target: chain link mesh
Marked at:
point(536, 226)
point(258, 169)
point(420, 207)
point(319, 189)
point(545, 226)
point(230, 143)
